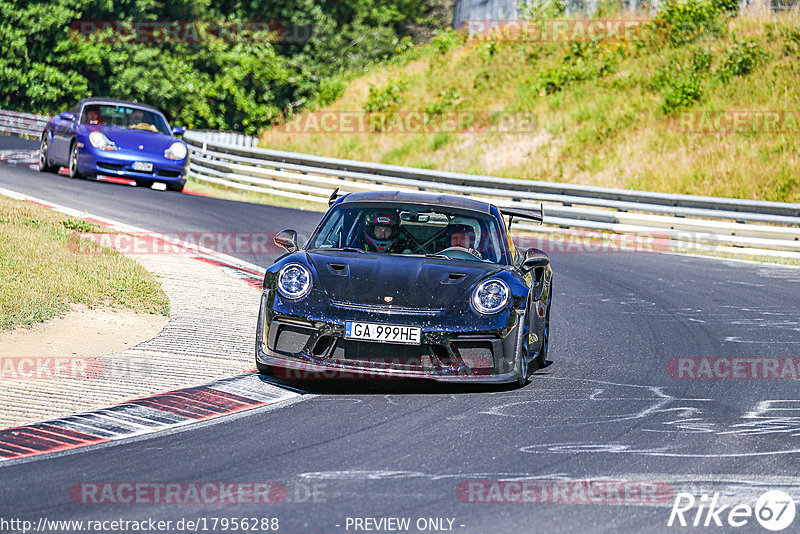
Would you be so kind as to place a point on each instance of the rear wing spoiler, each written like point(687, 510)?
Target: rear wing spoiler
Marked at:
point(523, 213)
point(335, 196)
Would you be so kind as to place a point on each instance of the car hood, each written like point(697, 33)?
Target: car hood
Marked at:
point(131, 139)
point(410, 282)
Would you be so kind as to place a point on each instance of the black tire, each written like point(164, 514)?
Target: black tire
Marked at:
point(522, 373)
point(265, 370)
point(541, 358)
point(523, 369)
point(44, 160)
point(176, 186)
point(147, 184)
point(73, 162)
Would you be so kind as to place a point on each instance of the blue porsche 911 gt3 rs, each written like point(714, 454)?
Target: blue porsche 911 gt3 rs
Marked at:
point(102, 136)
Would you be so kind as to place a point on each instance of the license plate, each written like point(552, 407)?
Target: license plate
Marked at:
point(385, 333)
point(142, 166)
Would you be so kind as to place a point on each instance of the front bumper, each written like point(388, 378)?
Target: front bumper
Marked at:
point(313, 346)
point(120, 163)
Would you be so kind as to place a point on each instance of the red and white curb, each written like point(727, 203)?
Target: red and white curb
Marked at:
point(148, 414)
point(140, 416)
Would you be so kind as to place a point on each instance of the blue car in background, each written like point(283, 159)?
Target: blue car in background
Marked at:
point(102, 136)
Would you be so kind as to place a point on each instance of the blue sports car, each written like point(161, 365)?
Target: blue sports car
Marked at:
point(102, 136)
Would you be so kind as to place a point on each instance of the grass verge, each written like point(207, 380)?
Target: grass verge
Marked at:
point(230, 193)
point(42, 273)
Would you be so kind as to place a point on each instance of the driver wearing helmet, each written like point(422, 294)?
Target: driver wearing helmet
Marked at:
point(382, 231)
point(463, 236)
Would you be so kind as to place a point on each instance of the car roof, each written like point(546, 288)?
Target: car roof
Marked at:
point(427, 199)
point(101, 100)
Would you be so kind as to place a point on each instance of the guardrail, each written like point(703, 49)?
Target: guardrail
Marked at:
point(691, 223)
point(22, 123)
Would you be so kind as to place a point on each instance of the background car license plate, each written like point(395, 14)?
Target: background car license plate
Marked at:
point(386, 333)
point(142, 166)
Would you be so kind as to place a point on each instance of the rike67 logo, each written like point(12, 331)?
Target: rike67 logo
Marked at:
point(774, 510)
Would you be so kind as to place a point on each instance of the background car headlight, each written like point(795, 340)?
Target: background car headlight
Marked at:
point(294, 281)
point(175, 151)
point(100, 141)
point(490, 297)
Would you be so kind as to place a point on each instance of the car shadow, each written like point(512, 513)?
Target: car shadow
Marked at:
point(382, 386)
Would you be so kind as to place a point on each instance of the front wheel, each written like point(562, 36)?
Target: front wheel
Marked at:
point(73, 162)
point(264, 369)
point(521, 359)
point(176, 186)
point(541, 358)
point(44, 160)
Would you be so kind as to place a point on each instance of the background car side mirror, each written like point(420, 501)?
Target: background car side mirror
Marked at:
point(67, 116)
point(534, 258)
point(177, 131)
point(288, 240)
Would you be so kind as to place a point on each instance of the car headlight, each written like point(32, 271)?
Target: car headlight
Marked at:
point(100, 141)
point(175, 151)
point(294, 281)
point(490, 297)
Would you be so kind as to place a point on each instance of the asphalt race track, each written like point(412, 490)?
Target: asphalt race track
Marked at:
point(609, 408)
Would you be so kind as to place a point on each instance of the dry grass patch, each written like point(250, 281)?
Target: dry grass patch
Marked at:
point(42, 272)
point(604, 111)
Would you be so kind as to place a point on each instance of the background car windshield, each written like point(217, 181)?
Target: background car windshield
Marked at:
point(124, 117)
point(415, 230)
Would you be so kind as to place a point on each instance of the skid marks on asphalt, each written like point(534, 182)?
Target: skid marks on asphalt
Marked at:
point(641, 416)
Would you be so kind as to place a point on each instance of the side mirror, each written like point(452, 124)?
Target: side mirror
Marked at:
point(67, 116)
point(177, 131)
point(287, 239)
point(534, 258)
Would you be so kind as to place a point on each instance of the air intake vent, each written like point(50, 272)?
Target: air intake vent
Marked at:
point(452, 278)
point(339, 269)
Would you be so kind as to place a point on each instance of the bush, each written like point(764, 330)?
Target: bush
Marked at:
point(701, 60)
point(683, 93)
point(684, 21)
point(445, 100)
point(741, 59)
point(383, 103)
point(542, 9)
point(582, 61)
point(791, 40)
point(728, 8)
point(444, 41)
point(682, 77)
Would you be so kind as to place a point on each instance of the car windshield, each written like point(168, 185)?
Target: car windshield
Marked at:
point(124, 117)
point(436, 231)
